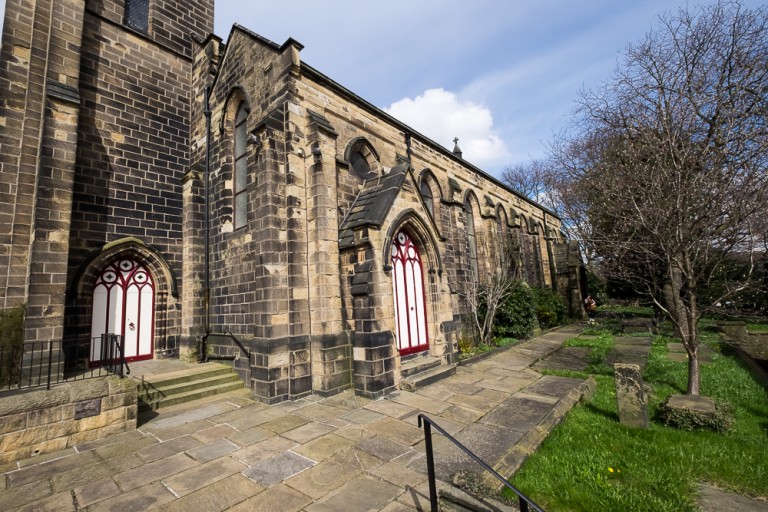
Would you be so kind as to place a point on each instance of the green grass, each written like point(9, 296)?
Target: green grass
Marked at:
point(640, 311)
point(655, 469)
point(757, 328)
point(469, 351)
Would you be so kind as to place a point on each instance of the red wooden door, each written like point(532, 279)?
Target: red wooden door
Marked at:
point(408, 286)
point(124, 304)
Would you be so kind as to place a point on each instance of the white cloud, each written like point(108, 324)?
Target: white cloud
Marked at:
point(442, 116)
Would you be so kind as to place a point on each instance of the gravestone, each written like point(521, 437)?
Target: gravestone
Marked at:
point(630, 395)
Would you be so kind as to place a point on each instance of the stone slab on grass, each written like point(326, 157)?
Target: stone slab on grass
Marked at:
point(701, 404)
point(551, 385)
point(629, 352)
point(676, 352)
point(567, 358)
point(712, 499)
point(518, 414)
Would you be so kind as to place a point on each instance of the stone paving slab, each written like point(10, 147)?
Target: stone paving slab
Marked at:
point(362, 493)
point(629, 350)
point(518, 414)
point(712, 499)
point(324, 447)
point(278, 468)
point(213, 450)
point(553, 386)
point(198, 477)
point(280, 497)
point(568, 358)
point(141, 498)
point(222, 494)
point(338, 453)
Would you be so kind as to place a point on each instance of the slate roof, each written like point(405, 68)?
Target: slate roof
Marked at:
point(373, 203)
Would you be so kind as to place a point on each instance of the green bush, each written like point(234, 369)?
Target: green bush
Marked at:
point(12, 326)
point(11, 343)
point(688, 419)
point(516, 316)
point(551, 308)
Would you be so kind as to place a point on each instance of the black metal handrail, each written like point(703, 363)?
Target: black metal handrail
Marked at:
point(524, 501)
point(41, 364)
point(231, 357)
point(110, 345)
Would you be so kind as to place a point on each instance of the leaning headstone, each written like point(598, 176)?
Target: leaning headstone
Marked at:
point(630, 395)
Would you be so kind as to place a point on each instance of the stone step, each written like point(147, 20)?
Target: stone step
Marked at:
point(151, 392)
point(202, 371)
point(172, 388)
point(421, 379)
point(190, 396)
point(418, 364)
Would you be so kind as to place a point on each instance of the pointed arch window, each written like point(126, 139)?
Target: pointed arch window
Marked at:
point(426, 194)
point(469, 226)
point(241, 166)
point(137, 15)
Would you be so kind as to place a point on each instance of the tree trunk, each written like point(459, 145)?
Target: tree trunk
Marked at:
point(683, 317)
point(693, 372)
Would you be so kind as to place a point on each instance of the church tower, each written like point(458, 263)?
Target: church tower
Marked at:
point(95, 108)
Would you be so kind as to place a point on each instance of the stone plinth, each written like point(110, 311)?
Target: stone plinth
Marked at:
point(630, 395)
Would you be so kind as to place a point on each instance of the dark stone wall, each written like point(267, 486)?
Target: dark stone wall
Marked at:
point(132, 155)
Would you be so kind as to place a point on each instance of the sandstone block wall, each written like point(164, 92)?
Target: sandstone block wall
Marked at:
point(42, 421)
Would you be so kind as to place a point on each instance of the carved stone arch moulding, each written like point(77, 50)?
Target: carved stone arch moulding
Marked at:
point(363, 158)
point(88, 272)
point(236, 96)
point(422, 236)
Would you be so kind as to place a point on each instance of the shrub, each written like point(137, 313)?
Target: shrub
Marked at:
point(12, 326)
point(11, 343)
point(551, 308)
point(689, 419)
point(516, 316)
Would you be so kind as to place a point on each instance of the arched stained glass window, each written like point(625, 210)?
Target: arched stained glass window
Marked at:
point(137, 14)
point(469, 226)
point(426, 194)
point(241, 167)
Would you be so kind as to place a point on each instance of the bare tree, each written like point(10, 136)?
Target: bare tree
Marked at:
point(483, 294)
point(542, 181)
point(529, 179)
point(669, 162)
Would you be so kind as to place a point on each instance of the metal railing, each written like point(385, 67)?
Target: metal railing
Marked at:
point(44, 363)
point(230, 357)
point(525, 503)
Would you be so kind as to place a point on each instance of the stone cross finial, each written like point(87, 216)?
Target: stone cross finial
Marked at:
point(456, 149)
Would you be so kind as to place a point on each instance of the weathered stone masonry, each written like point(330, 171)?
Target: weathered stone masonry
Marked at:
point(306, 282)
point(145, 146)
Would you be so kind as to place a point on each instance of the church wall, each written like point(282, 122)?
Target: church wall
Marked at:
point(368, 298)
point(133, 148)
point(103, 151)
point(259, 283)
point(171, 22)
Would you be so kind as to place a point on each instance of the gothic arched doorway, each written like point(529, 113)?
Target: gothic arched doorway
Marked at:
point(408, 287)
point(124, 304)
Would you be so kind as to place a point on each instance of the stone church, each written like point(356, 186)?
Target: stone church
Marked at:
point(229, 201)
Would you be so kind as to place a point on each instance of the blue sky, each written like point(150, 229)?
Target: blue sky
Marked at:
point(500, 75)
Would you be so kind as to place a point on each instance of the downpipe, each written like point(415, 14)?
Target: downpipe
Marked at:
point(202, 347)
